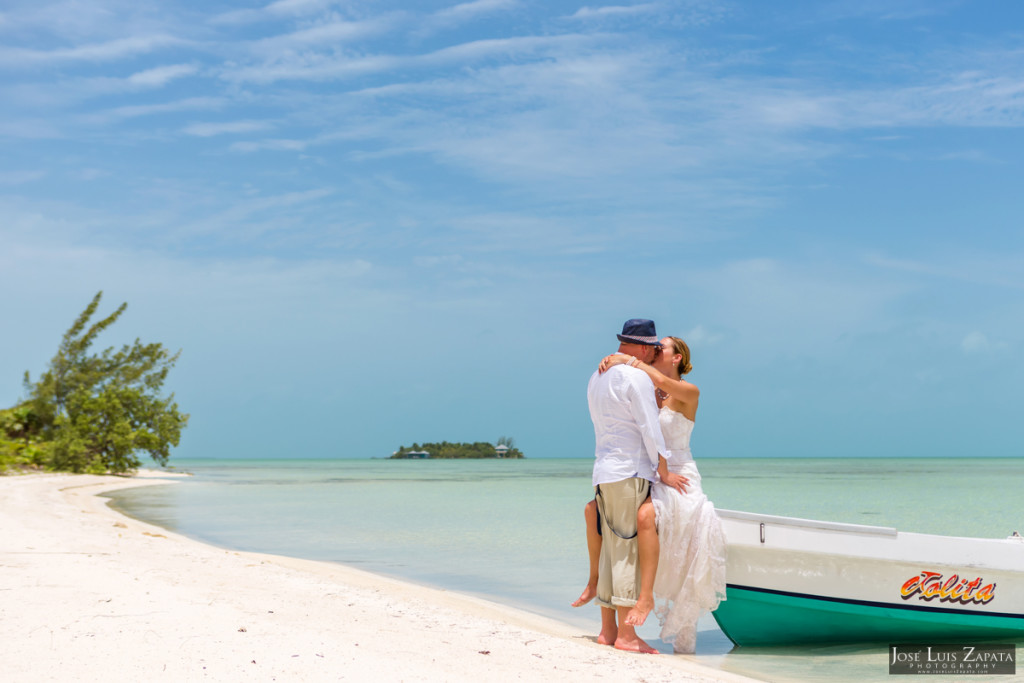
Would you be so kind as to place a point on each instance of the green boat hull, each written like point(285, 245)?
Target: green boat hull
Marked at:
point(754, 617)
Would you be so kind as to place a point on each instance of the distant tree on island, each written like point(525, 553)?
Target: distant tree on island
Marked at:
point(94, 412)
point(445, 450)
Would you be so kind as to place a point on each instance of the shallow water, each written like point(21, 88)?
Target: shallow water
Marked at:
point(512, 530)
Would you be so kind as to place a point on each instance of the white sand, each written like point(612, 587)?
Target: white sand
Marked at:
point(87, 594)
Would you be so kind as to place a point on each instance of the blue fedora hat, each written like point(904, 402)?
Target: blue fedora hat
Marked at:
point(639, 331)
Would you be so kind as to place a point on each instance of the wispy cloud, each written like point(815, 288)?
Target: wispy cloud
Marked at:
point(29, 129)
point(206, 130)
point(50, 96)
point(467, 10)
point(18, 57)
point(20, 177)
point(134, 111)
point(274, 11)
point(333, 33)
point(964, 99)
point(271, 145)
point(615, 11)
point(323, 67)
point(457, 15)
point(700, 336)
point(88, 174)
point(236, 219)
point(1004, 271)
point(161, 75)
point(882, 10)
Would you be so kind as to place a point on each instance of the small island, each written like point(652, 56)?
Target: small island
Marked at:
point(505, 448)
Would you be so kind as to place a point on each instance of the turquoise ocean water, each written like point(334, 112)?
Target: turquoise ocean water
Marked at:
point(511, 531)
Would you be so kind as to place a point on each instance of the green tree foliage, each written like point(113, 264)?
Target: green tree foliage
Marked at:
point(21, 445)
point(446, 450)
point(99, 410)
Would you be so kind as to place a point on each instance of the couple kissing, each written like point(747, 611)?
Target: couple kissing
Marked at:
point(653, 538)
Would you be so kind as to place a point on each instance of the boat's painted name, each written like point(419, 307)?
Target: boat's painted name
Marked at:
point(932, 585)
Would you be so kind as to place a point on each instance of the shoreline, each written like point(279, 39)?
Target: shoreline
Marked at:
point(89, 593)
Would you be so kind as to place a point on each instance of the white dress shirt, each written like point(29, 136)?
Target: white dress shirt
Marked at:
point(626, 427)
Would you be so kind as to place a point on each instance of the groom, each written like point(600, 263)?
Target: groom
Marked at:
point(629, 445)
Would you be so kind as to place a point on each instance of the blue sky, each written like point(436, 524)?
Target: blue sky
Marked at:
point(372, 223)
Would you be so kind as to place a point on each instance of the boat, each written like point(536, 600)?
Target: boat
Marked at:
point(796, 581)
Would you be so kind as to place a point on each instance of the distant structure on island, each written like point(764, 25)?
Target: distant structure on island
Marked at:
point(504, 449)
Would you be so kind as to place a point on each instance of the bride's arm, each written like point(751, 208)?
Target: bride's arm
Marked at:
point(679, 389)
point(614, 359)
point(676, 481)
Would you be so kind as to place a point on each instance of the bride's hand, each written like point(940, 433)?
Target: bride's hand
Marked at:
point(676, 481)
point(614, 359)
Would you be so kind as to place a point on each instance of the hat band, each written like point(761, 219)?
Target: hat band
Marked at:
point(646, 341)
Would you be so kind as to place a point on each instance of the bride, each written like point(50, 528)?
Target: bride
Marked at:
point(690, 578)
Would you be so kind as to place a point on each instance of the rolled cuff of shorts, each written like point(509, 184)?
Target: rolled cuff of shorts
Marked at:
point(616, 603)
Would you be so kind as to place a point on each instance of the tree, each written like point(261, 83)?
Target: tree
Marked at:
point(100, 410)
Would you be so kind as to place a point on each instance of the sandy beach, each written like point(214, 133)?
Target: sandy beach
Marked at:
point(87, 594)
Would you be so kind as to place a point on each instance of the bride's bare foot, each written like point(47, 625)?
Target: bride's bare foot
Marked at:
point(588, 594)
point(634, 644)
point(638, 615)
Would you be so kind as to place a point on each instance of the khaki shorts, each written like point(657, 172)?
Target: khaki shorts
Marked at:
point(618, 574)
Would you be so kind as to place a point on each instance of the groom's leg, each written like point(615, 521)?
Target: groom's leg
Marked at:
point(609, 628)
point(628, 639)
point(648, 548)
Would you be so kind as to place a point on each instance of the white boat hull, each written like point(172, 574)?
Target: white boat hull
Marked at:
point(795, 581)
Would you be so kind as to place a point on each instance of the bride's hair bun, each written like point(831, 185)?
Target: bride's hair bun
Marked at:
point(683, 350)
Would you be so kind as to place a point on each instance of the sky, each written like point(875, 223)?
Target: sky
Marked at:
point(371, 223)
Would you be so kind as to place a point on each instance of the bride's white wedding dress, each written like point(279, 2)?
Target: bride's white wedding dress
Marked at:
point(691, 567)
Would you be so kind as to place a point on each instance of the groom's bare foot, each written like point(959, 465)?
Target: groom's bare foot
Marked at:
point(588, 594)
point(608, 638)
point(638, 615)
point(634, 644)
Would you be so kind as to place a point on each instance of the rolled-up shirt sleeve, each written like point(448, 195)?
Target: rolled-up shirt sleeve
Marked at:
point(644, 409)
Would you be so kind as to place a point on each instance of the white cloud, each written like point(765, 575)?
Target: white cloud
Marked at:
point(96, 52)
point(281, 9)
point(311, 68)
point(466, 10)
point(1002, 271)
point(457, 15)
point(333, 32)
point(975, 342)
point(324, 67)
point(236, 216)
point(46, 97)
point(28, 129)
point(20, 177)
point(701, 336)
point(161, 75)
point(133, 111)
point(614, 10)
point(206, 130)
point(965, 99)
point(92, 173)
point(271, 145)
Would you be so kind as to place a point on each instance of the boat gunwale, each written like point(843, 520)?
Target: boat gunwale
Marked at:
point(807, 523)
